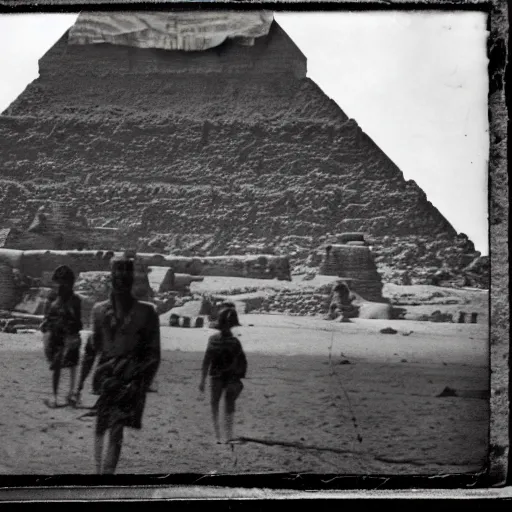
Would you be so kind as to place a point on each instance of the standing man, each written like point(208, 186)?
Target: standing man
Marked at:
point(126, 337)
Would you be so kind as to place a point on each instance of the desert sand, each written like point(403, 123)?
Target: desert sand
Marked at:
point(307, 379)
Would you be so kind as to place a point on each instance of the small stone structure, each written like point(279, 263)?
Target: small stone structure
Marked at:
point(354, 262)
point(375, 311)
point(257, 266)
point(191, 314)
point(61, 226)
point(463, 318)
point(161, 279)
point(351, 238)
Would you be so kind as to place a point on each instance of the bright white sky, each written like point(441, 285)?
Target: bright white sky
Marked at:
point(416, 84)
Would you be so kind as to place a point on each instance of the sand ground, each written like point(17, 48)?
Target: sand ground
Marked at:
point(292, 393)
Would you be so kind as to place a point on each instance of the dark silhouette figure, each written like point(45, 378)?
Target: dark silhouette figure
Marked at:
point(126, 337)
point(61, 330)
point(226, 363)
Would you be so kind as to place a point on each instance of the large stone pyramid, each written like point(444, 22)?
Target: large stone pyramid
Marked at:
point(232, 148)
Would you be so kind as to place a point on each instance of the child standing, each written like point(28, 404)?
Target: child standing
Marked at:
point(226, 363)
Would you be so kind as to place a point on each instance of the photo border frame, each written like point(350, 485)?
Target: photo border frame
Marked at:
point(495, 483)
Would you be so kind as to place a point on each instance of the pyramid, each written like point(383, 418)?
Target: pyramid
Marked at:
point(232, 145)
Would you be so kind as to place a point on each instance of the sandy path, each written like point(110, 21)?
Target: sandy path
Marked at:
point(290, 394)
point(431, 343)
point(279, 334)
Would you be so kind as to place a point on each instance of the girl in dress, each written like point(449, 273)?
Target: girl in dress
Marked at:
point(226, 363)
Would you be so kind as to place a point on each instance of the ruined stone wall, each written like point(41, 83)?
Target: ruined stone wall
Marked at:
point(252, 266)
point(38, 263)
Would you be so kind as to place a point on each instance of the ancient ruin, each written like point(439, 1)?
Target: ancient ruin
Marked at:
point(230, 145)
point(354, 263)
point(60, 226)
point(39, 264)
point(25, 277)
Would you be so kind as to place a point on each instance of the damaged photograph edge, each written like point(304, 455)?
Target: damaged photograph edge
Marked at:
point(494, 484)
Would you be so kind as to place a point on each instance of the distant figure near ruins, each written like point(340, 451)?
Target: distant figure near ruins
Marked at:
point(341, 303)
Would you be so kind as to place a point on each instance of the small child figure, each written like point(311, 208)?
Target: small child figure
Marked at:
point(226, 362)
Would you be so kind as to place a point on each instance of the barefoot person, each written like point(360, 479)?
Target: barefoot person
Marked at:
point(61, 329)
point(126, 337)
point(226, 362)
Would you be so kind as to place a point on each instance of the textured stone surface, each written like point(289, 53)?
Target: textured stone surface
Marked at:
point(355, 263)
point(233, 144)
point(499, 245)
point(41, 263)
